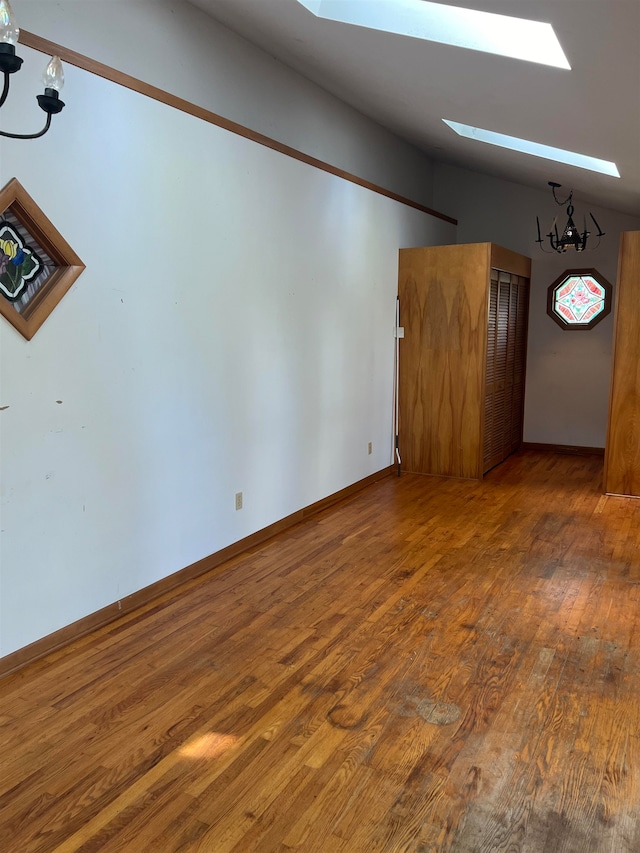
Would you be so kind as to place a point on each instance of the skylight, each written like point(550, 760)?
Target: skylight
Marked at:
point(532, 41)
point(548, 152)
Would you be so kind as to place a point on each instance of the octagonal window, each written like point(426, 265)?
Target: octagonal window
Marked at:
point(579, 299)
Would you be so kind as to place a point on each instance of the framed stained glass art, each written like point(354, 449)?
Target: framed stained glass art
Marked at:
point(579, 299)
point(37, 265)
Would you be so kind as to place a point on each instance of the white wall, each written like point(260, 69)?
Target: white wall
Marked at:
point(568, 373)
point(233, 332)
point(177, 47)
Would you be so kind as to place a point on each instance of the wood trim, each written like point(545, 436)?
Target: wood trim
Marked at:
point(172, 583)
point(508, 261)
point(121, 79)
point(616, 495)
point(563, 448)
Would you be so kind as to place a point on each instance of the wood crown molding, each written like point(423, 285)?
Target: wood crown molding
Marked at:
point(121, 79)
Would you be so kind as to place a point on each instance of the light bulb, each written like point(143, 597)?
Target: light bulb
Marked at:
point(9, 30)
point(53, 77)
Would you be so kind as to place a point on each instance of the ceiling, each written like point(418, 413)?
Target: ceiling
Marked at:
point(409, 86)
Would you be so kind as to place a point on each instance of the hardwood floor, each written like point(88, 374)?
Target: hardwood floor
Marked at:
point(434, 665)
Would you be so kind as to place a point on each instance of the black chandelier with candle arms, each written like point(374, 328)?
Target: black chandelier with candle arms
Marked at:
point(571, 237)
point(53, 76)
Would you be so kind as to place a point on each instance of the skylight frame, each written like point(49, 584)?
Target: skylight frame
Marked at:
point(535, 149)
point(487, 32)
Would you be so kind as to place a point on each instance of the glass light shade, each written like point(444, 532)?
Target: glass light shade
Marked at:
point(9, 30)
point(53, 77)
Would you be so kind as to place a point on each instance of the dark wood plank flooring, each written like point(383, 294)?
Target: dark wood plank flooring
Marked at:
point(432, 665)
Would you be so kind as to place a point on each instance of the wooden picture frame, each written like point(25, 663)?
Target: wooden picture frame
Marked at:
point(64, 264)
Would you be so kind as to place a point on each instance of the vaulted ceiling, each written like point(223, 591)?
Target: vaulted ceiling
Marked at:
point(409, 85)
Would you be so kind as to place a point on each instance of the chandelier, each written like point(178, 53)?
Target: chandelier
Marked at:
point(53, 77)
point(571, 237)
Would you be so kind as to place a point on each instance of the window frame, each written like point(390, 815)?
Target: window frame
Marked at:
point(559, 319)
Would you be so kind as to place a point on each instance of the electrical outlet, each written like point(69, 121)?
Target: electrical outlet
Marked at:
point(238, 500)
point(370, 448)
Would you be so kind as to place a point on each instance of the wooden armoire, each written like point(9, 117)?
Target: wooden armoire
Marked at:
point(464, 311)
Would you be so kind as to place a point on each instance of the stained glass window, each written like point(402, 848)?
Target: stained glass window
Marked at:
point(579, 299)
point(24, 265)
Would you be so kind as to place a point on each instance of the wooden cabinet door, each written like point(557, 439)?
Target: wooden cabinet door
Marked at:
point(443, 292)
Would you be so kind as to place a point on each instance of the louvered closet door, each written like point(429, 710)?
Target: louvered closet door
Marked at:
point(520, 297)
point(490, 387)
point(500, 410)
point(508, 283)
point(506, 355)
